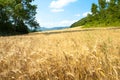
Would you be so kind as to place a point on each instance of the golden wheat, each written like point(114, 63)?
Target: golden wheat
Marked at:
point(74, 55)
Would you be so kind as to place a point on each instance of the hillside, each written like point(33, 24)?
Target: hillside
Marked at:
point(70, 54)
point(104, 14)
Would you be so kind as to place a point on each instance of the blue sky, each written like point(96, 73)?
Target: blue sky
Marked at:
point(58, 13)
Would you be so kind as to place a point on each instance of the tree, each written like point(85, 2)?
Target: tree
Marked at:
point(118, 4)
point(94, 9)
point(102, 9)
point(20, 14)
point(5, 22)
point(102, 4)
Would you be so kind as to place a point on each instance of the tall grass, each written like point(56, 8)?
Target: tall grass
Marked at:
point(85, 55)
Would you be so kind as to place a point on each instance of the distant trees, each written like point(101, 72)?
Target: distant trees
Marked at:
point(17, 15)
point(102, 4)
point(94, 9)
point(106, 13)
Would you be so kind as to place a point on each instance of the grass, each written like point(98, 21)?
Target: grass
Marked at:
point(75, 55)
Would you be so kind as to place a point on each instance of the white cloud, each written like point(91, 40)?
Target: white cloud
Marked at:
point(86, 13)
point(60, 4)
point(57, 10)
point(77, 15)
point(57, 24)
point(107, 0)
point(67, 22)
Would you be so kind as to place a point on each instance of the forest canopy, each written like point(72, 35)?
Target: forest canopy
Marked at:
point(104, 14)
point(17, 16)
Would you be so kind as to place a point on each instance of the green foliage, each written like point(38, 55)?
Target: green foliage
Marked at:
point(17, 15)
point(102, 4)
point(104, 14)
point(94, 9)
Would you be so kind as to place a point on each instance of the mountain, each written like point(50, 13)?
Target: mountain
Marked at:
point(53, 28)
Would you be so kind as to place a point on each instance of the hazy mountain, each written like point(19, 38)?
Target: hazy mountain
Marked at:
point(53, 28)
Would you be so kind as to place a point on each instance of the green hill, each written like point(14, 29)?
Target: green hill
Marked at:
point(105, 14)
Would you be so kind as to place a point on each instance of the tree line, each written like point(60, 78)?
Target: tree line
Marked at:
point(17, 16)
point(104, 14)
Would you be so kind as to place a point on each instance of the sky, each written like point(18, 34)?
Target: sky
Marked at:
point(60, 13)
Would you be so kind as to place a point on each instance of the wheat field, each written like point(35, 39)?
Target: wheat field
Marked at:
point(61, 55)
